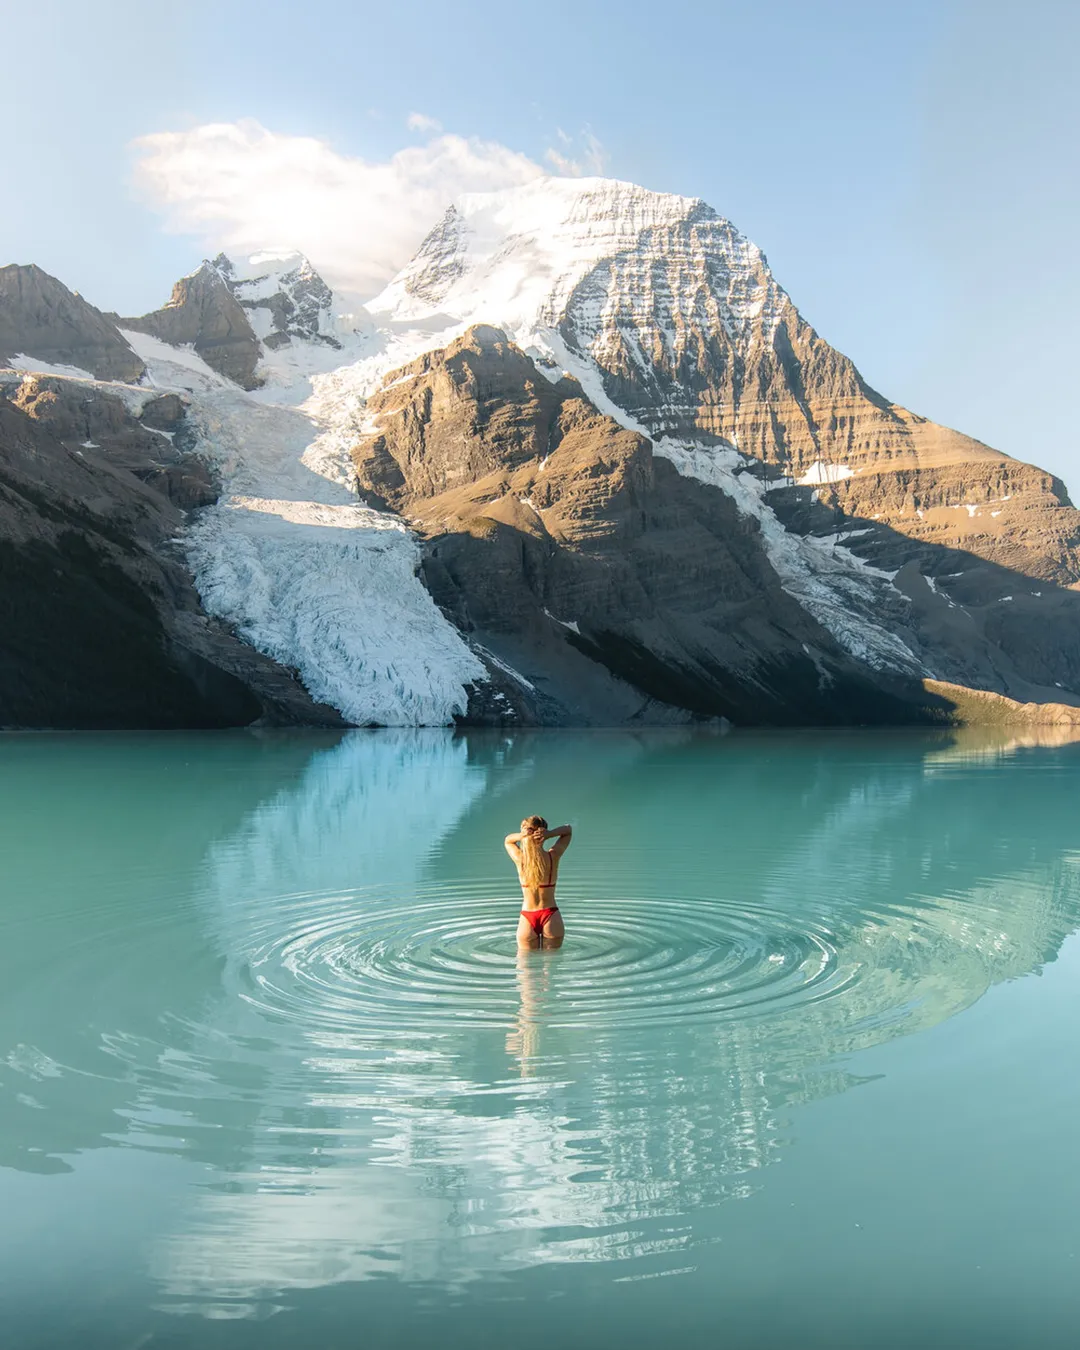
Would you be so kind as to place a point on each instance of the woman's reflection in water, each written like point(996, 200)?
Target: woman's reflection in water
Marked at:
point(534, 987)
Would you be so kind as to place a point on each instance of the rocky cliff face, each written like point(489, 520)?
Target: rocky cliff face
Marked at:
point(551, 525)
point(203, 313)
point(686, 332)
point(562, 544)
point(41, 318)
point(102, 625)
point(775, 390)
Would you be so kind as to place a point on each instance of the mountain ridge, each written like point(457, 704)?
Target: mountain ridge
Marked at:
point(909, 551)
point(40, 317)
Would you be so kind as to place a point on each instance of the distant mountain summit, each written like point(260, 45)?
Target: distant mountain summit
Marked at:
point(285, 298)
point(232, 313)
point(581, 461)
point(202, 313)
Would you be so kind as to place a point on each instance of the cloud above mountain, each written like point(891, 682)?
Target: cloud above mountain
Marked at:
point(240, 187)
point(574, 157)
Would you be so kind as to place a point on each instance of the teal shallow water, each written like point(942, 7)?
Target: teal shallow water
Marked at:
point(272, 1072)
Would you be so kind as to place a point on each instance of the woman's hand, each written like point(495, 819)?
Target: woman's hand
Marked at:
point(541, 836)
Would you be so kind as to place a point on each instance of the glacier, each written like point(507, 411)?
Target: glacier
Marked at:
point(301, 570)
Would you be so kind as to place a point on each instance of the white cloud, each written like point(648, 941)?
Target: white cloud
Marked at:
point(421, 122)
point(242, 188)
point(590, 159)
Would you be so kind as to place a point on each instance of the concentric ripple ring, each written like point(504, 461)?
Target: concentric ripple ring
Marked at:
point(628, 962)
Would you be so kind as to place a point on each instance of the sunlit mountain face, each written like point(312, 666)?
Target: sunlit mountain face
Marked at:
point(581, 462)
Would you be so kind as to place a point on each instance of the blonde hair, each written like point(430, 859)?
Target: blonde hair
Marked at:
point(535, 861)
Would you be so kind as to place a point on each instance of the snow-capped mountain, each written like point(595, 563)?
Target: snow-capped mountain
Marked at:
point(607, 472)
point(285, 299)
point(594, 266)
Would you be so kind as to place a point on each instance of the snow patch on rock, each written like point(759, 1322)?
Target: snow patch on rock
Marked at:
point(836, 586)
point(32, 365)
point(170, 367)
point(820, 472)
point(505, 668)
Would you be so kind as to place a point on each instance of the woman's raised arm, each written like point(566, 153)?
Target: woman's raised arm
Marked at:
point(562, 835)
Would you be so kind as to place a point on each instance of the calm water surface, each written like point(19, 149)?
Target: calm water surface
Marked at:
point(272, 1072)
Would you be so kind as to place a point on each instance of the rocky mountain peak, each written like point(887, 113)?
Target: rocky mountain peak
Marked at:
point(658, 294)
point(203, 313)
point(284, 296)
point(514, 257)
point(673, 322)
point(225, 266)
point(206, 274)
point(41, 319)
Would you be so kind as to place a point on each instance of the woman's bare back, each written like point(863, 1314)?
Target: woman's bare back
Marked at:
point(537, 867)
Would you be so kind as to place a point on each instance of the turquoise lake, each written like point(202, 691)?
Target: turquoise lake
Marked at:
point(272, 1072)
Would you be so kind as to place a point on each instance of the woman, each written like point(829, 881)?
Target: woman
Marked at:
point(538, 869)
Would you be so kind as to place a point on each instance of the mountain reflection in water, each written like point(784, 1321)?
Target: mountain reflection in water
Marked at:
point(293, 959)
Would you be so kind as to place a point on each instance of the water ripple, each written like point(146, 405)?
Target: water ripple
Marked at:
point(627, 962)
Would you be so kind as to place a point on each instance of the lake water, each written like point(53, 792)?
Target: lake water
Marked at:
point(805, 1072)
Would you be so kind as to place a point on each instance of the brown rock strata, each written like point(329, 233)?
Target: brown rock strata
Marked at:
point(769, 385)
point(554, 534)
point(560, 542)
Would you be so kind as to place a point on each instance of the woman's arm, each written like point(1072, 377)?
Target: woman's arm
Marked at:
point(561, 834)
point(510, 843)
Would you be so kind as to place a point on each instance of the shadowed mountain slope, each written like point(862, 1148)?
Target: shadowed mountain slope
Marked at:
point(101, 624)
point(40, 317)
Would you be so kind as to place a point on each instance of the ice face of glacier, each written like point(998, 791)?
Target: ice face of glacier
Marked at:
point(298, 568)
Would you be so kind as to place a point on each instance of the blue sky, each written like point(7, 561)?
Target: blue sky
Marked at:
point(909, 169)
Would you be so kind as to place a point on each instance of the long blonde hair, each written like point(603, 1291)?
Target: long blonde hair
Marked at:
point(535, 861)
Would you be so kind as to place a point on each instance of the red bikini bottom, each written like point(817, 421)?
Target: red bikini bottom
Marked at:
point(536, 918)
